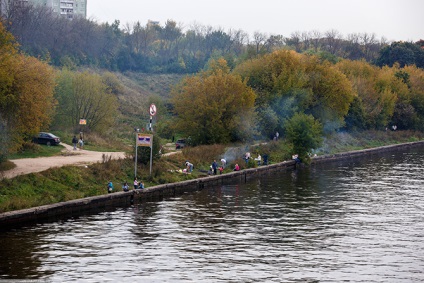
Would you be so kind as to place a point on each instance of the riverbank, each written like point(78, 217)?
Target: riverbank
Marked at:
point(95, 204)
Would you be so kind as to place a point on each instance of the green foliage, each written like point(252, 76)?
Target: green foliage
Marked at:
point(356, 117)
point(4, 137)
point(403, 53)
point(305, 133)
point(268, 121)
point(378, 91)
point(416, 94)
point(87, 96)
point(165, 128)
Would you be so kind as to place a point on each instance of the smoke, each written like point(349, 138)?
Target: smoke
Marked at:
point(234, 153)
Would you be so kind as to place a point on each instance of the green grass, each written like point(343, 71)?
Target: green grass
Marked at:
point(37, 151)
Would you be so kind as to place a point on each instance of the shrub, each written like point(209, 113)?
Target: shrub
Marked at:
point(304, 132)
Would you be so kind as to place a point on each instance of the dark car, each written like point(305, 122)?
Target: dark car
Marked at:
point(180, 144)
point(47, 138)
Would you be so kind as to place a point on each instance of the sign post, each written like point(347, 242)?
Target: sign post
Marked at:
point(152, 112)
point(136, 147)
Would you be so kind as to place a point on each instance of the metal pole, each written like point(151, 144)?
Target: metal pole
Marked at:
point(151, 155)
point(135, 162)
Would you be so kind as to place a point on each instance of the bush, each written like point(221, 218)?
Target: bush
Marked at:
point(305, 133)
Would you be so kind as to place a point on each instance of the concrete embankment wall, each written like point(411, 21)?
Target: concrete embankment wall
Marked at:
point(95, 204)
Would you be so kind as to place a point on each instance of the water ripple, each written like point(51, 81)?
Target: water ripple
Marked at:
point(353, 222)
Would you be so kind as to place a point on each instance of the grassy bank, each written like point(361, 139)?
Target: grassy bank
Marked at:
point(73, 182)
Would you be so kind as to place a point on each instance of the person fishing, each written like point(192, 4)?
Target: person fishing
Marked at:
point(109, 187)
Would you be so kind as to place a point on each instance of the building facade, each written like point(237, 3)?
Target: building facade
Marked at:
point(66, 8)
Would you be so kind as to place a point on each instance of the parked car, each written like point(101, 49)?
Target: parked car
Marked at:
point(180, 144)
point(46, 138)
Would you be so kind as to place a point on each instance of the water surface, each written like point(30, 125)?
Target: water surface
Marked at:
point(357, 221)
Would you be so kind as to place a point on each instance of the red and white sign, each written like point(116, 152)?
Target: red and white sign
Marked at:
point(152, 110)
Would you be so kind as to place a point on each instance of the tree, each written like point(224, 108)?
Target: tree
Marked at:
point(416, 90)
point(302, 82)
point(85, 95)
point(377, 92)
point(214, 106)
point(26, 93)
point(404, 53)
point(305, 133)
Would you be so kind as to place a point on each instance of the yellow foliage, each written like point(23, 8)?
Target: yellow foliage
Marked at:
point(26, 92)
point(378, 89)
point(284, 72)
point(209, 106)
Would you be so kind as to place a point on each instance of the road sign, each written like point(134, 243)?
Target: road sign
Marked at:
point(144, 140)
point(152, 110)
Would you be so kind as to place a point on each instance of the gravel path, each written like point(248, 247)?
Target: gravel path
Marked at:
point(69, 157)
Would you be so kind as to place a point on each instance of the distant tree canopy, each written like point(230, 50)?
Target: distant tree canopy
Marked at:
point(167, 48)
point(26, 94)
point(85, 96)
point(214, 106)
point(402, 53)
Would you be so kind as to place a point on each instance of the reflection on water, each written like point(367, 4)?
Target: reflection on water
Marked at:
point(359, 222)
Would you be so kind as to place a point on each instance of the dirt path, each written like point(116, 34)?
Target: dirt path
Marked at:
point(69, 157)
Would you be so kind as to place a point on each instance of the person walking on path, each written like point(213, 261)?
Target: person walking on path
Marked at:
point(214, 167)
point(74, 142)
point(81, 143)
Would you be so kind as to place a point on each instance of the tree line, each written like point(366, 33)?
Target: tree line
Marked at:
point(169, 48)
point(240, 89)
point(300, 96)
point(34, 96)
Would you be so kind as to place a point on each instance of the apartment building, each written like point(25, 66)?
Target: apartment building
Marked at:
point(65, 8)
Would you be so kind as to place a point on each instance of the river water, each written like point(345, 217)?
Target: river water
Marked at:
point(356, 221)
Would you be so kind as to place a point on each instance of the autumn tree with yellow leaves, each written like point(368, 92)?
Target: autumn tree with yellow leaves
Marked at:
point(287, 82)
point(214, 106)
point(26, 95)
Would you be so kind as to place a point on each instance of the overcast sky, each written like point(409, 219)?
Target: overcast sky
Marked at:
point(393, 19)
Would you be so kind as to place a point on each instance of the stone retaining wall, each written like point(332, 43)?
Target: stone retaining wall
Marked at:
point(95, 204)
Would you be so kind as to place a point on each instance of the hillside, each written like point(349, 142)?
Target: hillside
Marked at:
point(139, 87)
